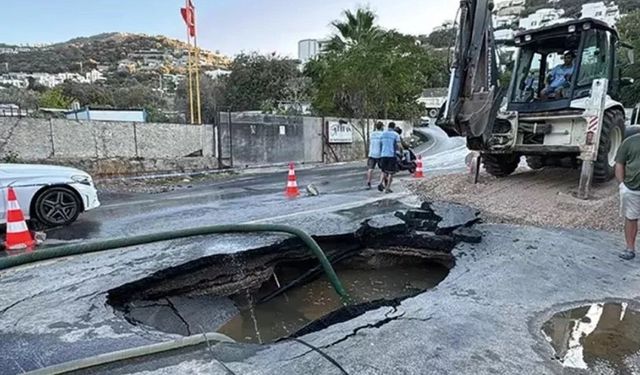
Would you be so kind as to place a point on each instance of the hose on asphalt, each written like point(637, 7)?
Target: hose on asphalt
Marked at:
point(128, 354)
point(104, 245)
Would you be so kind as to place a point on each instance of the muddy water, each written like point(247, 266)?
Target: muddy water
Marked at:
point(599, 337)
point(300, 306)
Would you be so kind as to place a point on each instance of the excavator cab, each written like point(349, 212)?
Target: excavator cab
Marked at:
point(556, 65)
point(549, 114)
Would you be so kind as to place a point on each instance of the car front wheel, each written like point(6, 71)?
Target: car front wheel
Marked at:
point(57, 206)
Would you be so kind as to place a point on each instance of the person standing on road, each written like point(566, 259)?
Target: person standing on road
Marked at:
point(375, 148)
point(628, 175)
point(391, 143)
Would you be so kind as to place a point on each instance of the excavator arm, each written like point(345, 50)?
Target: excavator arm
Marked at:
point(474, 93)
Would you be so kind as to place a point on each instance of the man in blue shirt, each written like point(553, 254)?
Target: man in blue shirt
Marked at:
point(375, 148)
point(391, 143)
point(559, 78)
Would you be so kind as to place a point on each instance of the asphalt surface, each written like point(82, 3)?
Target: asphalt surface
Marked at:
point(249, 198)
point(56, 311)
point(484, 318)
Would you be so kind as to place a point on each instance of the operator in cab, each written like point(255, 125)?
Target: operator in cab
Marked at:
point(560, 77)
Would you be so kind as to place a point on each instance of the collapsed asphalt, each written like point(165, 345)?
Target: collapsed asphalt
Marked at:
point(484, 318)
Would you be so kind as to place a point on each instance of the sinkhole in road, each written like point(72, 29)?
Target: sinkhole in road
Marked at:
point(601, 337)
point(263, 295)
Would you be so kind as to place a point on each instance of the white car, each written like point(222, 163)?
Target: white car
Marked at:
point(47, 194)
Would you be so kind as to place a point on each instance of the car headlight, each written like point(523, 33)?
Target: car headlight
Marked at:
point(85, 180)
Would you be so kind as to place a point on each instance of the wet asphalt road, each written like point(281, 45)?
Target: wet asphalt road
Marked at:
point(248, 198)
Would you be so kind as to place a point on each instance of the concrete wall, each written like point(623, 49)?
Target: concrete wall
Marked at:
point(266, 139)
point(70, 142)
point(33, 139)
point(112, 147)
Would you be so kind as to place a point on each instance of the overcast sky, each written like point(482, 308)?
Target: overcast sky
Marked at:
point(230, 26)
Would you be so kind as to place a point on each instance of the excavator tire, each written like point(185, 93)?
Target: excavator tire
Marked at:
point(500, 165)
point(613, 132)
point(535, 162)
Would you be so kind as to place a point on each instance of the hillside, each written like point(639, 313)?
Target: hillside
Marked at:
point(110, 51)
point(572, 8)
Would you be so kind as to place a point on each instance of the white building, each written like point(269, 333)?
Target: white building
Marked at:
point(501, 22)
point(8, 80)
point(309, 49)
point(95, 76)
point(511, 10)
point(217, 73)
point(542, 17)
point(599, 10)
point(502, 4)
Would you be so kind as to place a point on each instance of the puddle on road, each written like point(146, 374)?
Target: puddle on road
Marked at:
point(289, 312)
point(602, 337)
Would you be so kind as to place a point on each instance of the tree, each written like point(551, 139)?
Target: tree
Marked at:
point(23, 98)
point(213, 98)
point(255, 79)
point(89, 94)
point(54, 98)
point(629, 28)
point(375, 78)
point(355, 29)
point(379, 77)
point(442, 38)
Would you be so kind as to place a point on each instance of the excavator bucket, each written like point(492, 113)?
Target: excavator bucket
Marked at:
point(474, 93)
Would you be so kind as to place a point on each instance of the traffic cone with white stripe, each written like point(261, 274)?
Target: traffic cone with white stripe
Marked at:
point(18, 235)
point(419, 172)
point(292, 185)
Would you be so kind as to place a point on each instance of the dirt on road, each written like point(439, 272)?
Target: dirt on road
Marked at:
point(541, 198)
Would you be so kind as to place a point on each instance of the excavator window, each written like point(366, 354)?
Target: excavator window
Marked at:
point(595, 61)
point(544, 72)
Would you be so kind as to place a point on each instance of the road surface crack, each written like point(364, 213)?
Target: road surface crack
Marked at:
point(177, 313)
point(3, 311)
point(376, 325)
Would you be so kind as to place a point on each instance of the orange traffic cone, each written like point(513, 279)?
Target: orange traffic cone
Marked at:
point(292, 185)
point(18, 235)
point(419, 173)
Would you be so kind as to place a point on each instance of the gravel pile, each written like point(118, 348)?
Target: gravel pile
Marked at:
point(540, 198)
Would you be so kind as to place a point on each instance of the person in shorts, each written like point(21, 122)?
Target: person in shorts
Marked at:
point(375, 147)
point(628, 175)
point(391, 144)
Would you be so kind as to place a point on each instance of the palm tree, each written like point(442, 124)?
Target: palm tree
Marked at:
point(357, 28)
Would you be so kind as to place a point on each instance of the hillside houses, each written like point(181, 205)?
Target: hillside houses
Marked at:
point(21, 80)
point(511, 14)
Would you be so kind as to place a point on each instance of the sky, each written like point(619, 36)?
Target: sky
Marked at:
point(230, 26)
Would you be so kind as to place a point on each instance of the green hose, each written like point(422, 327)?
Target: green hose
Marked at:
point(98, 246)
point(131, 354)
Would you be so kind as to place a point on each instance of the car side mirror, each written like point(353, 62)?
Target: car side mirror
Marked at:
point(626, 81)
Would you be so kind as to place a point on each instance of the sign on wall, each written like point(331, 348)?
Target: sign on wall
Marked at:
point(340, 132)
